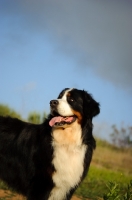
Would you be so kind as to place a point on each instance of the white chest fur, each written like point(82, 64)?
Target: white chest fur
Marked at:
point(68, 160)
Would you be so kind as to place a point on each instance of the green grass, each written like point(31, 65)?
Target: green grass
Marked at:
point(109, 164)
point(95, 184)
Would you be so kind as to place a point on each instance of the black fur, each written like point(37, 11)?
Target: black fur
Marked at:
point(26, 150)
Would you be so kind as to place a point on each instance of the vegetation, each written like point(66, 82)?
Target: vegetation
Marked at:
point(96, 186)
point(6, 111)
point(117, 192)
point(110, 174)
point(122, 137)
point(33, 117)
point(110, 167)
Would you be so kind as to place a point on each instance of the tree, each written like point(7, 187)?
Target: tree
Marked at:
point(6, 111)
point(122, 137)
point(34, 118)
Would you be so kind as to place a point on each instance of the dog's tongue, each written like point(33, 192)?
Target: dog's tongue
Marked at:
point(59, 119)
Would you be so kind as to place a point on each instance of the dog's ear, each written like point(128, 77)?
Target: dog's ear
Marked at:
point(90, 106)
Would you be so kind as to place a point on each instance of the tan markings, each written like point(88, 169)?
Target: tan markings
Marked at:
point(69, 134)
point(68, 94)
point(79, 116)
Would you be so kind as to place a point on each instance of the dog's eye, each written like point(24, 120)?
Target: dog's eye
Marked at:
point(71, 99)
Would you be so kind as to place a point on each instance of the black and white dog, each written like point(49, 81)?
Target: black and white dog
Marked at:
point(48, 161)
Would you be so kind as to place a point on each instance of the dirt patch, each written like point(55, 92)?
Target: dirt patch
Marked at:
point(75, 198)
point(8, 195)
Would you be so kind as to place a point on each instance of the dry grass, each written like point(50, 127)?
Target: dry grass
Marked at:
point(113, 158)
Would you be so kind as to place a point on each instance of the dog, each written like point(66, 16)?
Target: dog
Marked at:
point(48, 161)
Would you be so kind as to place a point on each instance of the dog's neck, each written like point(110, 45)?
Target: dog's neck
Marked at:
point(67, 135)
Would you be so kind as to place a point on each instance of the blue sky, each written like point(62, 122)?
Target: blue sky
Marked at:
point(48, 45)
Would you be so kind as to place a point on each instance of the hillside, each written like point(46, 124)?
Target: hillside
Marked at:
point(109, 164)
point(111, 157)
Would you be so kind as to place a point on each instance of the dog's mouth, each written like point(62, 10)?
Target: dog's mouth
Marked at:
point(61, 121)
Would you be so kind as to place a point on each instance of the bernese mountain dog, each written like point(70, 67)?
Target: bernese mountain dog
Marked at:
point(48, 161)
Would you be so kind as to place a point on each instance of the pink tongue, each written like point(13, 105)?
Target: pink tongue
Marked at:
point(59, 119)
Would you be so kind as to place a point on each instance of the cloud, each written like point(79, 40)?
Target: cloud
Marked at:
point(96, 34)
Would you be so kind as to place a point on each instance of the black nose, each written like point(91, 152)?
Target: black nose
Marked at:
point(53, 103)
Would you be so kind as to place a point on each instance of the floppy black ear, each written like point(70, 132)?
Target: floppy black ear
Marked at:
point(91, 107)
point(95, 109)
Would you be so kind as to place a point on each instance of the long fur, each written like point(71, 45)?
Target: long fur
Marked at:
point(44, 162)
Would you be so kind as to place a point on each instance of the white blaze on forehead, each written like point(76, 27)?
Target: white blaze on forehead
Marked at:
point(65, 94)
point(64, 109)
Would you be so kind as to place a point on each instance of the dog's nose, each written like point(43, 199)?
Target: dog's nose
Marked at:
point(53, 103)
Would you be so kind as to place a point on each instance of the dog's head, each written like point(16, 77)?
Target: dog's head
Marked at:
point(72, 105)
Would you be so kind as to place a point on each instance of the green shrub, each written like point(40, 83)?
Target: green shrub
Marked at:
point(116, 192)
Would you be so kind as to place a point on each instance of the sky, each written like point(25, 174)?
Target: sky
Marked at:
point(48, 45)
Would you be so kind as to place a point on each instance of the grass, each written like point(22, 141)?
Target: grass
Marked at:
point(109, 165)
point(116, 192)
point(3, 186)
point(110, 157)
point(95, 184)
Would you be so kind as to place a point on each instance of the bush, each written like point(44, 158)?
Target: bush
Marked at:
point(6, 111)
point(116, 192)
